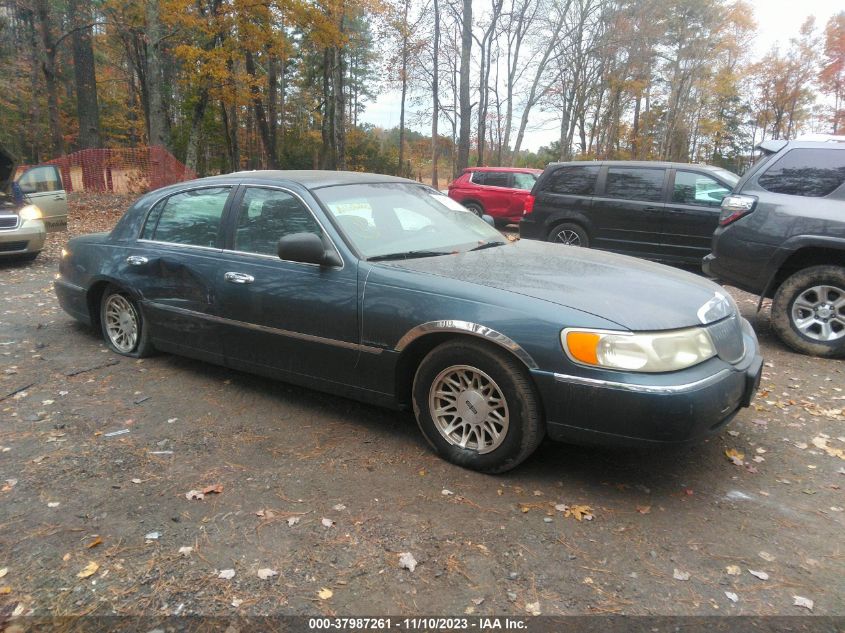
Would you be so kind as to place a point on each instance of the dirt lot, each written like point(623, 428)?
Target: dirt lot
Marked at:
point(320, 495)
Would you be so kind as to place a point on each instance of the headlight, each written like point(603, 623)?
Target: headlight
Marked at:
point(30, 212)
point(650, 352)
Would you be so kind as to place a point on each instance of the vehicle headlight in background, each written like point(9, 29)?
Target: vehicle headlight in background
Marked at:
point(649, 352)
point(30, 212)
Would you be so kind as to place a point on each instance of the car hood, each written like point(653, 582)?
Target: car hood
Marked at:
point(638, 295)
point(8, 164)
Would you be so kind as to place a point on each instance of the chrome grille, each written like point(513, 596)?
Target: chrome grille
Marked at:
point(727, 338)
point(8, 221)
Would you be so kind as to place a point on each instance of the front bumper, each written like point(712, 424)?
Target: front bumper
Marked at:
point(27, 237)
point(598, 411)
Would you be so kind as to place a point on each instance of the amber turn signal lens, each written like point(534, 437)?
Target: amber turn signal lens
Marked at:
point(583, 346)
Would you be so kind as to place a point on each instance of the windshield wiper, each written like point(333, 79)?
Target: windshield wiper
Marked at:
point(487, 245)
point(407, 255)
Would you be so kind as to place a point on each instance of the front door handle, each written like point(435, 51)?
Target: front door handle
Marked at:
point(137, 260)
point(239, 278)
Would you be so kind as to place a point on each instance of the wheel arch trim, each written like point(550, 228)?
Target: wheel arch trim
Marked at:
point(466, 327)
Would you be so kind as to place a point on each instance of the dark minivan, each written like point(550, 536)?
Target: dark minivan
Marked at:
point(661, 211)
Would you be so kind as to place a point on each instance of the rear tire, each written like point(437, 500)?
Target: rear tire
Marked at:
point(477, 407)
point(808, 311)
point(476, 208)
point(123, 325)
point(569, 234)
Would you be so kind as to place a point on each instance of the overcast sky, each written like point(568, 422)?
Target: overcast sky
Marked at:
point(777, 22)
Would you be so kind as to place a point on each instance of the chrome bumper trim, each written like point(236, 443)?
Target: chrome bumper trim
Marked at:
point(653, 389)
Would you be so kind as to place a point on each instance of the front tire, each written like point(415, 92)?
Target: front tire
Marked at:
point(569, 234)
point(477, 407)
point(122, 324)
point(808, 311)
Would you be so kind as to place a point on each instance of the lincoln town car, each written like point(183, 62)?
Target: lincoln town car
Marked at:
point(385, 290)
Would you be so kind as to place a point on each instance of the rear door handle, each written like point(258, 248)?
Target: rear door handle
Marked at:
point(137, 260)
point(239, 278)
point(651, 209)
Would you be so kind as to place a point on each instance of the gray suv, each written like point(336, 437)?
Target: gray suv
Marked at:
point(781, 235)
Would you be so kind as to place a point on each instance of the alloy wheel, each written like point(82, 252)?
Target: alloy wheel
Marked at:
point(568, 237)
point(469, 409)
point(819, 313)
point(121, 323)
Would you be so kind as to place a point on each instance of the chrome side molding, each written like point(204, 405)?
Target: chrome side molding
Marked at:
point(466, 327)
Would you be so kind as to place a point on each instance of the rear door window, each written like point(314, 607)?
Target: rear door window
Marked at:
point(645, 184)
point(811, 173)
point(698, 189)
point(497, 179)
point(191, 218)
point(574, 181)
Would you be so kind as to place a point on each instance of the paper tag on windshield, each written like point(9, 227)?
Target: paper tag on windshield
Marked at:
point(447, 202)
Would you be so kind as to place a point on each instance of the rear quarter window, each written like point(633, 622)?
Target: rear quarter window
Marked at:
point(573, 181)
point(811, 173)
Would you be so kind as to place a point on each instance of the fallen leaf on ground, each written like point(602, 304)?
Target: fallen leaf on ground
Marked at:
point(265, 514)
point(8, 485)
point(766, 556)
point(4, 571)
point(446, 492)
point(800, 601)
point(733, 570)
point(5, 590)
point(266, 573)
point(194, 494)
point(325, 594)
point(579, 512)
point(236, 602)
point(759, 574)
point(339, 507)
point(407, 561)
point(186, 550)
point(327, 522)
point(94, 543)
point(152, 536)
point(226, 574)
point(644, 509)
point(53, 504)
point(533, 608)
point(135, 480)
point(292, 521)
point(731, 596)
point(821, 442)
point(680, 575)
point(89, 570)
point(735, 456)
point(215, 489)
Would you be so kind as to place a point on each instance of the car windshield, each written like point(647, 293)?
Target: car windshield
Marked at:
point(404, 220)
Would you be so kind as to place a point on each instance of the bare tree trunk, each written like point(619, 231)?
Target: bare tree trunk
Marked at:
point(327, 160)
point(435, 96)
point(466, 107)
point(158, 116)
point(87, 105)
point(339, 128)
point(260, 114)
point(48, 67)
point(404, 79)
point(196, 127)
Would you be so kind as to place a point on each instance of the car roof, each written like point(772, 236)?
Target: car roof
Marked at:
point(308, 178)
point(639, 163)
point(521, 170)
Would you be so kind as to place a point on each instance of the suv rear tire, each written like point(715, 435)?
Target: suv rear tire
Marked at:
point(809, 307)
point(569, 234)
point(476, 208)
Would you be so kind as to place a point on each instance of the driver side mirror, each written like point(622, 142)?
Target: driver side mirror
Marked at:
point(307, 248)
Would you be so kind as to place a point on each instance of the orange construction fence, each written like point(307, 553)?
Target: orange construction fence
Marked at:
point(120, 170)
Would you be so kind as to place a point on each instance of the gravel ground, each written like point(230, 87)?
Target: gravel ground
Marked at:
point(311, 500)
